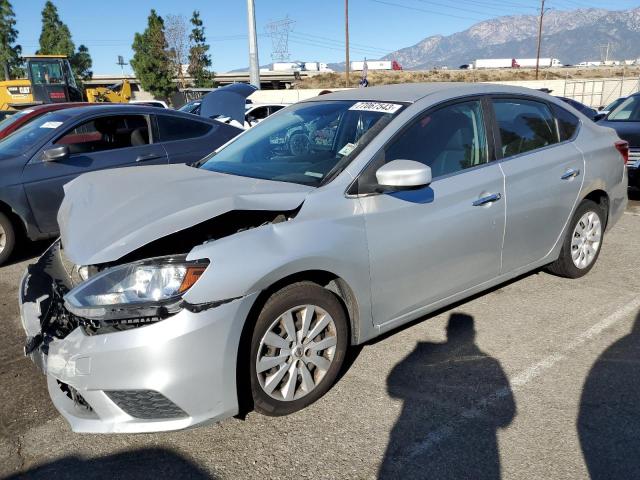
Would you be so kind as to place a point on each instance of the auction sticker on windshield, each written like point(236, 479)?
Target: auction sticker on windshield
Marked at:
point(51, 124)
point(376, 107)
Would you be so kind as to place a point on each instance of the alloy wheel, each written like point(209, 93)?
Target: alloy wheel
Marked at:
point(3, 239)
point(296, 352)
point(586, 239)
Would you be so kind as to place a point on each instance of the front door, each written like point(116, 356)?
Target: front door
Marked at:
point(542, 176)
point(428, 244)
point(102, 142)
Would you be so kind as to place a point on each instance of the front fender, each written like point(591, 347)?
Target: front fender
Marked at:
point(253, 260)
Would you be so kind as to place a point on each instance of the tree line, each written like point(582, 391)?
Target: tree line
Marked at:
point(161, 51)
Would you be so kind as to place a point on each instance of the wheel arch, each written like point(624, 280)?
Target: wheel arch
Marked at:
point(601, 198)
point(16, 219)
point(324, 278)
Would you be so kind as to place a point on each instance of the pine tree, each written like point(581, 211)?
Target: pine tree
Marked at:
point(151, 62)
point(199, 58)
point(55, 39)
point(81, 63)
point(9, 52)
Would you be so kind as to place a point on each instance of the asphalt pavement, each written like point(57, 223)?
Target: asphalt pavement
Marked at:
point(536, 379)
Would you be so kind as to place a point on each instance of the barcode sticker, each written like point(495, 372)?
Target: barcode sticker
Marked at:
point(376, 107)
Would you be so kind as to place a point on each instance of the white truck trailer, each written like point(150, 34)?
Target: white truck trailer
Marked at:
point(515, 63)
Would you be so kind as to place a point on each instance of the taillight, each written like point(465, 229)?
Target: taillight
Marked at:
point(623, 147)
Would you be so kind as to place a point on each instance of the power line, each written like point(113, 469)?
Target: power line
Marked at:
point(431, 12)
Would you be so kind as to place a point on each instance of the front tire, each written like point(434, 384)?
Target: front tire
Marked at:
point(7, 238)
point(298, 347)
point(582, 244)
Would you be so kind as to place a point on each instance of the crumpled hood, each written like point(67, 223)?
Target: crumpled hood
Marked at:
point(108, 214)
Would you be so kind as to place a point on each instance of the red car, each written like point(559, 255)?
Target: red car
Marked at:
point(21, 118)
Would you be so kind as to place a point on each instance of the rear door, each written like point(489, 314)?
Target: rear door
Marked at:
point(187, 140)
point(101, 142)
point(543, 177)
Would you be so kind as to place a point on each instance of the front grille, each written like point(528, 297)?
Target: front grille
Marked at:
point(145, 404)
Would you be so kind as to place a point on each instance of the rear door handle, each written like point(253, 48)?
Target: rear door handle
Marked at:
point(494, 197)
point(146, 158)
point(569, 174)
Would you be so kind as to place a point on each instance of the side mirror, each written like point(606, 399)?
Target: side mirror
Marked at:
point(404, 174)
point(56, 153)
point(599, 116)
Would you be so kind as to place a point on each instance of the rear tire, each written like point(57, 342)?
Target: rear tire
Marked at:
point(7, 238)
point(297, 349)
point(583, 242)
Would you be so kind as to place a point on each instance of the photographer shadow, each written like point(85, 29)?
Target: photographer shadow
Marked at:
point(455, 398)
point(609, 416)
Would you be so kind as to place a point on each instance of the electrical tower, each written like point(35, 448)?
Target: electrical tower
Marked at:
point(605, 50)
point(279, 31)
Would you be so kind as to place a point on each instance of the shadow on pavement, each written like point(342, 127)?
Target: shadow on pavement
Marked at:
point(609, 417)
point(27, 250)
point(455, 398)
point(142, 464)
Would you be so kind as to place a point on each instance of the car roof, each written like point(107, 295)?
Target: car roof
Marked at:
point(123, 108)
point(56, 106)
point(412, 92)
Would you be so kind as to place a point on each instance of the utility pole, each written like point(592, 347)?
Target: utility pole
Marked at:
point(539, 38)
point(254, 65)
point(346, 38)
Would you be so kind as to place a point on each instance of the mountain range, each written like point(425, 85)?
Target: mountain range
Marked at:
point(571, 36)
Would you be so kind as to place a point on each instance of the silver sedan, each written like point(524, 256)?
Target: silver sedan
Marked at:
point(179, 295)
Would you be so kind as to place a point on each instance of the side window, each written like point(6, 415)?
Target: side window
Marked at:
point(107, 133)
point(177, 128)
point(524, 125)
point(567, 123)
point(259, 113)
point(448, 140)
point(274, 108)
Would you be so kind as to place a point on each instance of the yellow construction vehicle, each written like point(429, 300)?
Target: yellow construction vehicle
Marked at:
point(51, 80)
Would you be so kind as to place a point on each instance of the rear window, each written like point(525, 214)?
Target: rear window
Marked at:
point(567, 123)
point(525, 125)
point(177, 128)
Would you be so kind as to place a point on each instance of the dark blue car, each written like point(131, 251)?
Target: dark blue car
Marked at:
point(625, 120)
point(37, 160)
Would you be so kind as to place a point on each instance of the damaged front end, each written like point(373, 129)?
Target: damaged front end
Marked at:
point(111, 299)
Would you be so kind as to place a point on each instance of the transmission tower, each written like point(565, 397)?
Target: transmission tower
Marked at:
point(279, 31)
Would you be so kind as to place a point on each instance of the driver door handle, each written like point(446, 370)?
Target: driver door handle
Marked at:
point(146, 158)
point(569, 174)
point(493, 197)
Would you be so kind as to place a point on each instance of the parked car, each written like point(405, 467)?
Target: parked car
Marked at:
point(223, 104)
point(23, 117)
point(625, 120)
point(6, 113)
point(195, 292)
point(589, 112)
point(37, 160)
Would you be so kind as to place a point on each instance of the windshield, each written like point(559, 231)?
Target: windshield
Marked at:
point(190, 107)
point(46, 72)
point(627, 111)
point(613, 105)
point(33, 133)
point(304, 143)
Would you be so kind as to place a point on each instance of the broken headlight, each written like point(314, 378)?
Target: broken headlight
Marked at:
point(141, 286)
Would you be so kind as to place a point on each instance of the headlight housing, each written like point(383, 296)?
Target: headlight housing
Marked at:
point(148, 288)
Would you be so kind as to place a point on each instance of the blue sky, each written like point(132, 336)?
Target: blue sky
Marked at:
point(376, 26)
